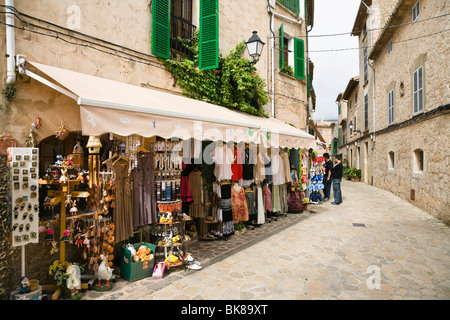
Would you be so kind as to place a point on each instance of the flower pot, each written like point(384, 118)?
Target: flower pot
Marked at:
point(34, 283)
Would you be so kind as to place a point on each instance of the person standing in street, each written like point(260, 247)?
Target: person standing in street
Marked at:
point(336, 178)
point(327, 177)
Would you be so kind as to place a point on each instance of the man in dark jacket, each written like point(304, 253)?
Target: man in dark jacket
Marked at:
point(336, 178)
point(327, 177)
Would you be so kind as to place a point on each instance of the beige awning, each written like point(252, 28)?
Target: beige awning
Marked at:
point(108, 106)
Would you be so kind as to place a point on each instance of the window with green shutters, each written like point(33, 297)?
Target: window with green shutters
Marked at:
point(292, 5)
point(299, 50)
point(161, 28)
point(339, 137)
point(281, 42)
point(209, 34)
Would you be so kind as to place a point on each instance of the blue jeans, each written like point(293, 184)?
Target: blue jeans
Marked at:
point(337, 190)
point(326, 188)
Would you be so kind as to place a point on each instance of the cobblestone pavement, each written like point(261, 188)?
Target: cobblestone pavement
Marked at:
point(372, 246)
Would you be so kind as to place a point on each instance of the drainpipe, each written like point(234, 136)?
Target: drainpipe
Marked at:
point(272, 54)
point(307, 68)
point(372, 66)
point(10, 43)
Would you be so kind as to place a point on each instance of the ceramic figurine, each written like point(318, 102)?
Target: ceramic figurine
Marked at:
point(104, 273)
point(24, 285)
point(73, 283)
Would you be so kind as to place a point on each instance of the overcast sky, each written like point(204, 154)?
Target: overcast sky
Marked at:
point(332, 70)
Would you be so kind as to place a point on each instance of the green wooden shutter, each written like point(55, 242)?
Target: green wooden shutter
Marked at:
point(299, 51)
point(281, 41)
point(209, 35)
point(161, 28)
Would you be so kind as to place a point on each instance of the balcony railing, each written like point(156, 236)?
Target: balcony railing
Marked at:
point(181, 34)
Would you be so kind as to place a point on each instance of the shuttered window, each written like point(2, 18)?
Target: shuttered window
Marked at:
point(418, 90)
point(161, 28)
point(391, 106)
point(281, 41)
point(366, 112)
point(209, 34)
point(292, 5)
point(299, 49)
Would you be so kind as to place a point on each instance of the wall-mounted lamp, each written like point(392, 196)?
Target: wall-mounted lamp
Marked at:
point(350, 126)
point(255, 46)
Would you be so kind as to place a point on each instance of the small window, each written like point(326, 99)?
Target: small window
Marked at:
point(391, 160)
point(356, 97)
point(366, 112)
point(418, 90)
point(364, 30)
point(418, 161)
point(391, 106)
point(365, 65)
point(416, 11)
point(390, 47)
point(350, 104)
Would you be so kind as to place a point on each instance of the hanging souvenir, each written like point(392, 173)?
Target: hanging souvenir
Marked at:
point(36, 124)
point(62, 133)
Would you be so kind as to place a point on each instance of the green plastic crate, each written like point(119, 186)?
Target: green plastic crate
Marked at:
point(133, 271)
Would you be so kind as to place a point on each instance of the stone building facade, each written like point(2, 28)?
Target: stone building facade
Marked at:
point(352, 127)
point(341, 126)
point(112, 40)
point(408, 101)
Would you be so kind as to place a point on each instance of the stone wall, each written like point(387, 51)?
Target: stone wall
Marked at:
point(9, 257)
point(432, 186)
point(394, 71)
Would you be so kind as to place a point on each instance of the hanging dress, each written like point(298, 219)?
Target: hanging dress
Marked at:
point(248, 168)
point(295, 204)
point(267, 198)
point(236, 166)
point(239, 204)
point(196, 188)
point(260, 216)
point(250, 197)
point(227, 211)
point(144, 196)
point(123, 213)
point(276, 198)
point(185, 193)
point(222, 157)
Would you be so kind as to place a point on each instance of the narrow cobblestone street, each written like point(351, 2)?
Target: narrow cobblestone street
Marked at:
point(395, 251)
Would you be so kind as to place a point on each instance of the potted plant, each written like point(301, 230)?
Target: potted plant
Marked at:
point(354, 174)
point(357, 175)
point(305, 203)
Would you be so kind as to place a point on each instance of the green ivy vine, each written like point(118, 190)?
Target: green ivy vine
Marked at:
point(236, 84)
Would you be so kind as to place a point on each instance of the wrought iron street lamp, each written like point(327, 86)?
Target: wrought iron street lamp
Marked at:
point(254, 47)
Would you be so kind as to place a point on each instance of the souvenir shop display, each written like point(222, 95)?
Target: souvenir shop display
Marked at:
point(169, 236)
point(316, 184)
point(24, 194)
point(295, 203)
point(137, 261)
point(131, 184)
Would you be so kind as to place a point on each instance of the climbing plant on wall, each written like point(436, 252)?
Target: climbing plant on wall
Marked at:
point(236, 84)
